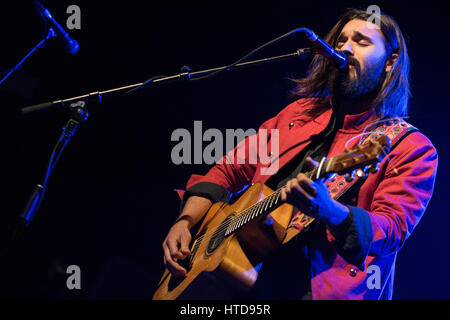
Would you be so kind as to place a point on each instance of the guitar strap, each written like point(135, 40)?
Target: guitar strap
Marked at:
point(395, 129)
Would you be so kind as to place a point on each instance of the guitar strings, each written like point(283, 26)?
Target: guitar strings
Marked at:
point(243, 216)
point(247, 211)
point(222, 227)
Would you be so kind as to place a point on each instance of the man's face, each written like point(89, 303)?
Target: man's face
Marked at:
point(366, 52)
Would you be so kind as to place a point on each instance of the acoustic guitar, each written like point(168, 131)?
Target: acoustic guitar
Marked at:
point(232, 241)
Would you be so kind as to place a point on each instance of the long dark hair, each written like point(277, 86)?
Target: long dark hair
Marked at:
point(392, 98)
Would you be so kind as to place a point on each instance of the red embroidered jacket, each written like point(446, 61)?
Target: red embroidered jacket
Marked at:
point(390, 203)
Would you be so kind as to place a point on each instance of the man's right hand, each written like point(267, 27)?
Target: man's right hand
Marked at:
point(176, 247)
point(176, 244)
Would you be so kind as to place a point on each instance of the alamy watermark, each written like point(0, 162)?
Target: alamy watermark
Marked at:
point(241, 147)
point(74, 279)
point(374, 280)
point(74, 20)
point(375, 16)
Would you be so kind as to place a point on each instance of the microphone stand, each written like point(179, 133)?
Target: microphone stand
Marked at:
point(185, 75)
point(79, 114)
point(51, 33)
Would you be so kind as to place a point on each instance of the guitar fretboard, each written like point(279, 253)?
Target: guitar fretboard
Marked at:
point(261, 208)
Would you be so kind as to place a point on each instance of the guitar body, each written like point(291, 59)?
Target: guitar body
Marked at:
point(233, 240)
point(224, 266)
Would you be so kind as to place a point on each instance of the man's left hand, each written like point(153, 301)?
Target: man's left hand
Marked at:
point(313, 198)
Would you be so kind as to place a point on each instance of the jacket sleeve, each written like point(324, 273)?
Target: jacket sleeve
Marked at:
point(398, 203)
point(230, 174)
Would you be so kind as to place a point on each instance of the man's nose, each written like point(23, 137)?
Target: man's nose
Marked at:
point(347, 48)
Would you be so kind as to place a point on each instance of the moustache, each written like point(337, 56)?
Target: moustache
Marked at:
point(355, 63)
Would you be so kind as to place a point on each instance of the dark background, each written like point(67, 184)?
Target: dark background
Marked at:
point(110, 202)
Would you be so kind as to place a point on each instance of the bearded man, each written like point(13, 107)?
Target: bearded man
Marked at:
point(361, 233)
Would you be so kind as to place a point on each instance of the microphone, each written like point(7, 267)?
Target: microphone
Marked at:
point(70, 45)
point(338, 59)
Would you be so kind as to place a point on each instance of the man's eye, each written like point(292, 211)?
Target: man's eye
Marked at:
point(363, 42)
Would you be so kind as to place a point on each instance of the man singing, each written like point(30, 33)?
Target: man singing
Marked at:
point(362, 231)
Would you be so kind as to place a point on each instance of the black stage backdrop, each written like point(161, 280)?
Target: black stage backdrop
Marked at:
point(110, 200)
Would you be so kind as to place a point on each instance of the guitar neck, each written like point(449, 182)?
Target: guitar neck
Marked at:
point(262, 208)
point(367, 156)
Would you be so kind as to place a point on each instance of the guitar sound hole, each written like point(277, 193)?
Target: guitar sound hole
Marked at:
point(218, 236)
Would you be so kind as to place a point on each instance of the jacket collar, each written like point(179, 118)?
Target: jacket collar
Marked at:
point(357, 122)
point(352, 122)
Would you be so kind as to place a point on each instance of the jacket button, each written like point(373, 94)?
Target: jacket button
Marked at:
point(270, 154)
point(352, 272)
point(291, 125)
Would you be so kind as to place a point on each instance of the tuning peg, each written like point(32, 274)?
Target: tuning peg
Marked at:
point(349, 177)
point(360, 173)
point(374, 169)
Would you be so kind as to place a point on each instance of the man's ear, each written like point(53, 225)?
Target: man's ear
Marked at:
point(390, 62)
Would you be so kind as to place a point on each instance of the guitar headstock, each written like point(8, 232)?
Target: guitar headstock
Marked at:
point(362, 158)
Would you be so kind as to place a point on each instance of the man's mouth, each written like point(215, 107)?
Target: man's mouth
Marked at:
point(351, 62)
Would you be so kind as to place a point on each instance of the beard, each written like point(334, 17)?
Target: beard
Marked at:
point(357, 84)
